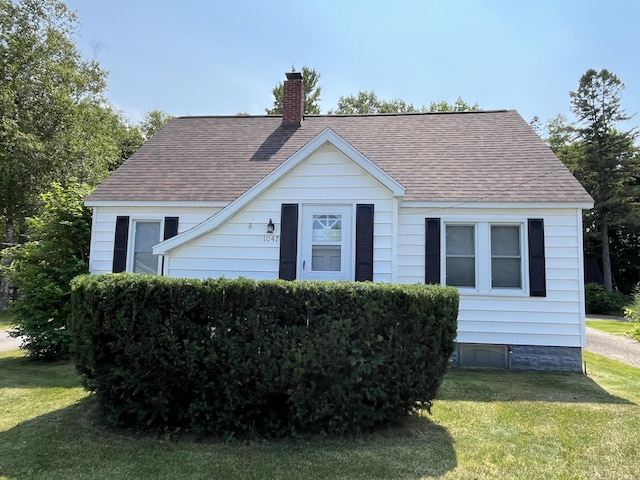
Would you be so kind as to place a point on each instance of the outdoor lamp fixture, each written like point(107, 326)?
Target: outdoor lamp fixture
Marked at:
point(270, 226)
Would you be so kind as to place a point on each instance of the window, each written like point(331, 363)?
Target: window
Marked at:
point(484, 256)
point(133, 253)
point(326, 243)
point(487, 257)
point(146, 235)
point(506, 259)
point(461, 258)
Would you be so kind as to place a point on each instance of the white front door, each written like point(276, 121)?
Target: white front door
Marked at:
point(326, 242)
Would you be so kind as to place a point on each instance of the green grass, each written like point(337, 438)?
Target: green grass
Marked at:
point(485, 425)
point(6, 320)
point(614, 327)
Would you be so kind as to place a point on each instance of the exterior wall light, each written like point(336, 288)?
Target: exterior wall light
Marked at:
point(270, 226)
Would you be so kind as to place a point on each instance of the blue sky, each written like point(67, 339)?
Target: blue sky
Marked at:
point(198, 57)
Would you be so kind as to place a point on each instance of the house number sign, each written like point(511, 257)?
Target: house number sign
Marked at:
point(272, 238)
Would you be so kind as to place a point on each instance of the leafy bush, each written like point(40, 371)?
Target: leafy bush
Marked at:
point(233, 357)
point(599, 301)
point(42, 268)
point(632, 313)
point(634, 332)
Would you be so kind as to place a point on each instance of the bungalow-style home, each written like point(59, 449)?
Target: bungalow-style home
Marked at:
point(475, 200)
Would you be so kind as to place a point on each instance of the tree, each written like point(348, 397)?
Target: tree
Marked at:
point(55, 123)
point(367, 103)
point(47, 93)
point(312, 92)
point(607, 165)
point(41, 269)
point(459, 106)
point(152, 122)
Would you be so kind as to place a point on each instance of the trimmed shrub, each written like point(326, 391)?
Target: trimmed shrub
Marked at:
point(236, 357)
point(599, 301)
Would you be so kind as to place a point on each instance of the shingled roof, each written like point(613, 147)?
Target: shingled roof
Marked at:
point(491, 156)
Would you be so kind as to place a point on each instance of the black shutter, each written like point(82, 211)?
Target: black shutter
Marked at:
point(432, 250)
point(364, 242)
point(288, 241)
point(170, 227)
point(537, 277)
point(120, 245)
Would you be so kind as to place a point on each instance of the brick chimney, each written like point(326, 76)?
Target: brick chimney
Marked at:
point(293, 100)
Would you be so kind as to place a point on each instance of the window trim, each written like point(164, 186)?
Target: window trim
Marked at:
point(132, 240)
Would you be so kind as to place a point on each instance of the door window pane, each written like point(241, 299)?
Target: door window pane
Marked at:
point(327, 228)
point(460, 258)
point(326, 243)
point(147, 234)
point(506, 261)
point(325, 258)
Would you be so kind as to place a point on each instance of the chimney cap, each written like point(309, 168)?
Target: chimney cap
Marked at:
point(294, 76)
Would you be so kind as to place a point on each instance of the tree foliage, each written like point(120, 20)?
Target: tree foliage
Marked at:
point(312, 90)
point(368, 103)
point(605, 160)
point(41, 269)
point(45, 87)
point(458, 106)
point(152, 122)
point(608, 164)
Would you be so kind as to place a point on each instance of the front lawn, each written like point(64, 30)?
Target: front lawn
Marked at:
point(485, 425)
point(614, 327)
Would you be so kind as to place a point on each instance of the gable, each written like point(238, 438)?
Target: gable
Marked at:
point(326, 141)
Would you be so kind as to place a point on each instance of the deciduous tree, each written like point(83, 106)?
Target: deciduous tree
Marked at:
point(312, 92)
point(47, 94)
point(368, 103)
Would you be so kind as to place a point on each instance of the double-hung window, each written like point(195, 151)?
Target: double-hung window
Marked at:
point(487, 257)
point(484, 256)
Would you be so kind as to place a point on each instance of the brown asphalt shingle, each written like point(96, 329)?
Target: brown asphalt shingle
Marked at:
point(460, 157)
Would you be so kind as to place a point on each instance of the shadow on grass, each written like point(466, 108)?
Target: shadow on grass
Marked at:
point(19, 371)
point(506, 386)
point(69, 443)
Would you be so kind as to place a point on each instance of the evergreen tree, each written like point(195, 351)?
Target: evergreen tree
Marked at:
point(606, 160)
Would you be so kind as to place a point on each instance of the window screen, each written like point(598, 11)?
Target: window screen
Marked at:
point(147, 234)
point(461, 258)
point(506, 261)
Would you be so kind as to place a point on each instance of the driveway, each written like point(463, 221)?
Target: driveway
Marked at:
point(8, 343)
point(619, 348)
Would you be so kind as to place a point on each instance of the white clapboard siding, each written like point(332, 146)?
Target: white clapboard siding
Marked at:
point(104, 221)
point(510, 318)
point(240, 247)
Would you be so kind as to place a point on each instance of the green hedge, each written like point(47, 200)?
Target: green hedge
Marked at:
point(229, 357)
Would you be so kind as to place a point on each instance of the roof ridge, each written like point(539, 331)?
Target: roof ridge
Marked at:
point(356, 115)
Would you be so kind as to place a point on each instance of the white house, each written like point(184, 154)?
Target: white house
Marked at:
point(470, 199)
